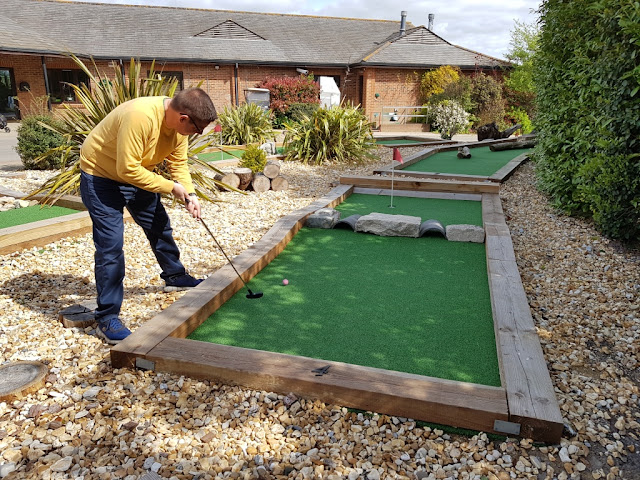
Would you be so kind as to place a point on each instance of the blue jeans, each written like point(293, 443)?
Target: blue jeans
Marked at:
point(105, 200)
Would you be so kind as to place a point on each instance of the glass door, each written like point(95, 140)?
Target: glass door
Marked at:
point(8, 104)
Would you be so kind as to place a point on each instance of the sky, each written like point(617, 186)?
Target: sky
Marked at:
point(483, 26)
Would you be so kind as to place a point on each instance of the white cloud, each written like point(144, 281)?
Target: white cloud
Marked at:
point(482, 26)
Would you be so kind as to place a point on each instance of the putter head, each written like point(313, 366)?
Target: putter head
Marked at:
point(254, 295)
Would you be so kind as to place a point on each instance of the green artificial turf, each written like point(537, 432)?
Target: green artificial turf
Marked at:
point(447, 212)
point(224, 155)
point(416, 305)
point(22, 216)
point(482, 162)
point(228, 154)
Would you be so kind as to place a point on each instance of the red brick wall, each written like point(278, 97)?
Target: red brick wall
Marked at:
point(396, 87)
point(25, 69)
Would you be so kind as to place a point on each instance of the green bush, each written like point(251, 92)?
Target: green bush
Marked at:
point(35, 141)
point(248, 123)
point(486, 96)
point(341, 134)
point(254, 158)
point(588, 104)
point(519, 115)
point(298, 111)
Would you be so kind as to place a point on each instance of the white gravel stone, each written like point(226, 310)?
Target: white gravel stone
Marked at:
point(589, 340)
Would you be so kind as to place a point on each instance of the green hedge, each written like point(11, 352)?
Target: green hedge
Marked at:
point(587, 74)
point(35, 142)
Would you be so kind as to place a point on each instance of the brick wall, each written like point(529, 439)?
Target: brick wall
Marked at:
point(395, 87)
point(25, 69)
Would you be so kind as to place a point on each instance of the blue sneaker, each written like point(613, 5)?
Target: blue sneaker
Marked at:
point(111, 330)
point(181, 282)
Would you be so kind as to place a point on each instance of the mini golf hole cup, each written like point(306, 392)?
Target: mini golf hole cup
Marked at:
point(285, 282)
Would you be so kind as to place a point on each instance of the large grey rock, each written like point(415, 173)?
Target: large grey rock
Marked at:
point(323, 218)
point(465, 233)
point(387, 225)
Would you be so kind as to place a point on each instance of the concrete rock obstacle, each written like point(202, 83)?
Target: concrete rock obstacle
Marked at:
point(465, 233)
point(323, 218)
point(387, 225)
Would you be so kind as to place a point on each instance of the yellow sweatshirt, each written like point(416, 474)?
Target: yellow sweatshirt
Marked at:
point(130, 141)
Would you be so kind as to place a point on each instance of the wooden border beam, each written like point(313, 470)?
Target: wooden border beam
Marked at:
point(523, 370)
point(43, 232)
point(424, 398)
point(421, 185)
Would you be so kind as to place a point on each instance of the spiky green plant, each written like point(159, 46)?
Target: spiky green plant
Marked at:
point(105, 95)
point(248, 123)
point(340, 134)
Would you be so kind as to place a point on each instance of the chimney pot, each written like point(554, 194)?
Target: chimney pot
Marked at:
point(431, 17)
point(403, 22)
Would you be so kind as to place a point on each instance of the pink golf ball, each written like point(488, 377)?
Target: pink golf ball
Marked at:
point(285, 282)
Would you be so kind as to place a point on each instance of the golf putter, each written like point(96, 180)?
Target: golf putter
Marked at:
point(251, 294)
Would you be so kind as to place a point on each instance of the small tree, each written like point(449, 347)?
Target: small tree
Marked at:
point(519, 84)
point(449, 118)
point(254, 158)
point(523, 46)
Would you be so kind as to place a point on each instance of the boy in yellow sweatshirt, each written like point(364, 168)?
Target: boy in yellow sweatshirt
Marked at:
point(116, 161)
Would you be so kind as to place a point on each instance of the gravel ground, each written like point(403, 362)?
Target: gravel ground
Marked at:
point(94, 422)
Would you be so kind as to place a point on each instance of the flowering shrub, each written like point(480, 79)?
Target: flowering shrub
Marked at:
point(449, 118)
point(436, 81)
point(287, 91)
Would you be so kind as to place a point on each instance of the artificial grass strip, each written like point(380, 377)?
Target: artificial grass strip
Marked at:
point(228, 154)
point(447, 212)
point(224, 155)
point(482, 162)
point(22, 216)
point(415, 305)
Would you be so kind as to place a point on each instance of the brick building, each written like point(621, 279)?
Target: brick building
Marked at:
point(375, 63)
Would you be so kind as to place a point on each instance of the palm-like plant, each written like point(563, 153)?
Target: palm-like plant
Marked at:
point(337, 134)
point(248, 123)
point(106, 94)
